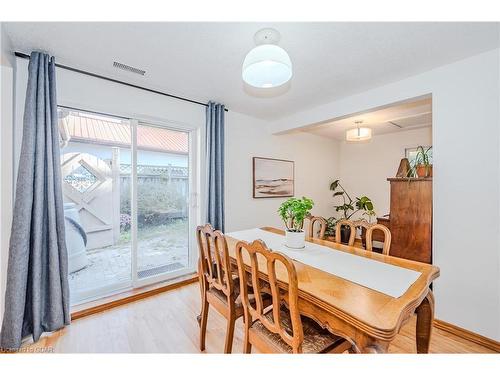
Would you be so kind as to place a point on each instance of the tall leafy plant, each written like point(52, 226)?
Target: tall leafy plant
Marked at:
point(349, 206)
point(293, 212)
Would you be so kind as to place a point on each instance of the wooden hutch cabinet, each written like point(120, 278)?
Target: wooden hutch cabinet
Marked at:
point(410, 218)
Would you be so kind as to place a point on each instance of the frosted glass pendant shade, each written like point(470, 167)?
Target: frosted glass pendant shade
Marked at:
point(358, 134)
point(267, 66)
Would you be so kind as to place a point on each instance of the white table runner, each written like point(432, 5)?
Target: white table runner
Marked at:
point(386, 278)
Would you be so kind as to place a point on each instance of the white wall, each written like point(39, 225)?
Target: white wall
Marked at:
point(316, 163)
point(465, 101)
point(365, 167)
point(6, 122)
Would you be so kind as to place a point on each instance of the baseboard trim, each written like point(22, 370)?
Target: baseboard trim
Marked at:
point(467, 335)
point(132, 296)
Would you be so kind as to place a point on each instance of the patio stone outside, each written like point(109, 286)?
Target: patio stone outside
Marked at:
point(112, 265)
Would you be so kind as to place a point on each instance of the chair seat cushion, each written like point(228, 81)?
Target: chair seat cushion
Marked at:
point(316, 339)
point(266, 299)
point(236, 292)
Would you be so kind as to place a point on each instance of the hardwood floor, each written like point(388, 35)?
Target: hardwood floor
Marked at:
point(166, 323)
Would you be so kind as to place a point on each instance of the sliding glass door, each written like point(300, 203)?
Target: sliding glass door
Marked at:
point(126, 188)
point(163, 187)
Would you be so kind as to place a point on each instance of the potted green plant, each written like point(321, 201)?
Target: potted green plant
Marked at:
point(348, 208)
point(422, 163)
point(331, 223)
point(293, 212)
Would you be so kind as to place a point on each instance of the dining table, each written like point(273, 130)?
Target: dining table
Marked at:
point(362, 296)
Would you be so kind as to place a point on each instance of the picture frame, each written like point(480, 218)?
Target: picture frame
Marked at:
point(273, 178)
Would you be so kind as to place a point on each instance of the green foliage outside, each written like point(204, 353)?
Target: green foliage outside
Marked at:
point(153, 197)
point(157, 203)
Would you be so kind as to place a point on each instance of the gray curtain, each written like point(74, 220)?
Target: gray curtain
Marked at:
point(215, 164)
point(37, 295)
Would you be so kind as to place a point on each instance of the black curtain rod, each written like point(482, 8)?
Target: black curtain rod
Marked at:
point(25, 56)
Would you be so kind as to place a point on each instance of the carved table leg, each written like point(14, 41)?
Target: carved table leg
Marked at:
point(425, 317)
point(375, 349)
point(368, 345)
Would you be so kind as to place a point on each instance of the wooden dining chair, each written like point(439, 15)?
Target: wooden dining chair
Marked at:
point(320, 223)
point(279, 327)
point(338, 228)
point(370, 228)
point(218, 282)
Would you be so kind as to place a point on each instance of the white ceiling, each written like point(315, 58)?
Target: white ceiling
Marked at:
point(392, 119)
point(203, 61)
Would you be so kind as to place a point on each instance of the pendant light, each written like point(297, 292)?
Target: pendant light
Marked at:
point(359, 133)
point(267, 65)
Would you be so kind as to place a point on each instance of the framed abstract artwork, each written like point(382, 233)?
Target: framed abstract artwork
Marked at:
point(273, 178)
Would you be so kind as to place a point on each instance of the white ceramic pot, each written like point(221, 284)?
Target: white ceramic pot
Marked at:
point(295, 240)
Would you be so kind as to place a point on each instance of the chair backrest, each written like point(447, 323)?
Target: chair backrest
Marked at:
point(370, 228)
point(267, 265)
point(320, 232)
point(352, 235)
point(214, 258)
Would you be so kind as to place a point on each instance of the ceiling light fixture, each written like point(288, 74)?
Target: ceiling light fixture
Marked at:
point(267, 65)
point(359, 133)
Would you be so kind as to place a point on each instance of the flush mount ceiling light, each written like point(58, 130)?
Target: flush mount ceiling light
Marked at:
point(359, 133)
point(267, 65)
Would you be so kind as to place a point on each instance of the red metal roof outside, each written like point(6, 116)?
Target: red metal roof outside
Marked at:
point(100, 130)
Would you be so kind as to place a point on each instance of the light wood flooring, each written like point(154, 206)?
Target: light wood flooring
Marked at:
point(166, 323)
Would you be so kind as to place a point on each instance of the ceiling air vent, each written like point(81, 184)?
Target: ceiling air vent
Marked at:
point(128, 68)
